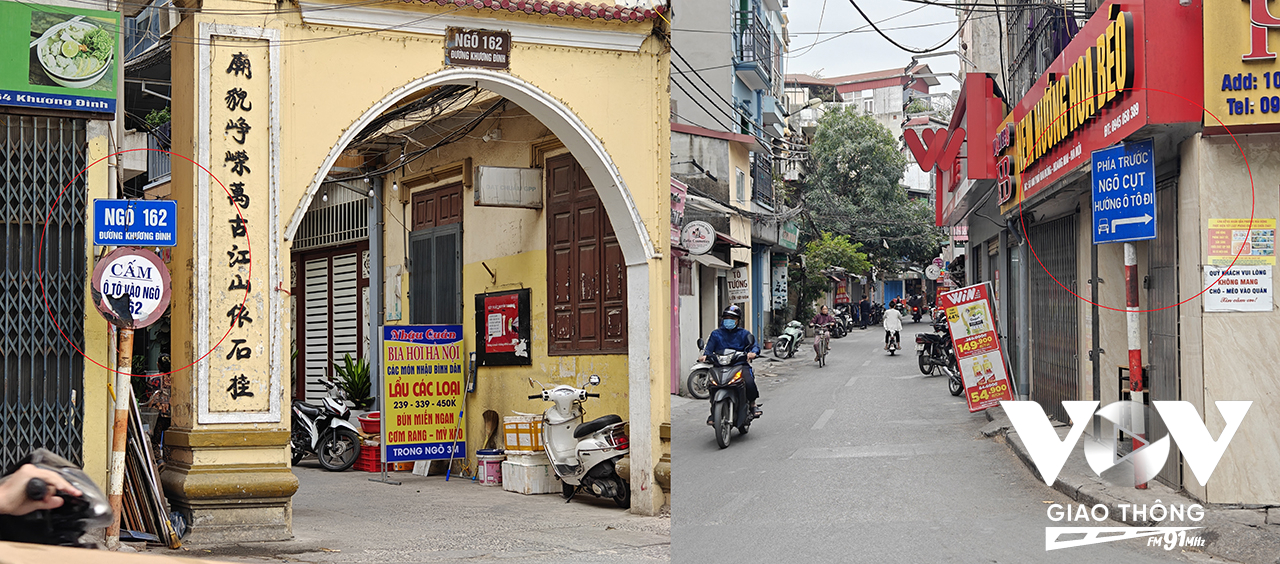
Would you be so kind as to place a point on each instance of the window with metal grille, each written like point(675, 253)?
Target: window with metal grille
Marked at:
point(435, 256)
point(588, 290)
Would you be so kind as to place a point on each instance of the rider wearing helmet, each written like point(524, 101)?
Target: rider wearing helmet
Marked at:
point(730, 335)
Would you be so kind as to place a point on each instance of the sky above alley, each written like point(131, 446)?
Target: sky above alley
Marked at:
point(864, 50)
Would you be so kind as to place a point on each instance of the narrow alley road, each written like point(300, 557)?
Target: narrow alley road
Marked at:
point(864, 460)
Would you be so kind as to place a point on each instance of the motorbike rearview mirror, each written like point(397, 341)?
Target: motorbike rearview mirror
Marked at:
point(700, 343)
point(594, 380)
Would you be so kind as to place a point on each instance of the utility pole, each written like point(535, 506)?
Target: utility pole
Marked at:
point(1135, 354)
point(124, 343)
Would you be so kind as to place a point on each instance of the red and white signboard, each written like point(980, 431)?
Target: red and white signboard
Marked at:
point(977, 345)
point(842, 293)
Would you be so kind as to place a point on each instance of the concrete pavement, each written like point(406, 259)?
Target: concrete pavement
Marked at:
point(865, 460)
point(343, 517)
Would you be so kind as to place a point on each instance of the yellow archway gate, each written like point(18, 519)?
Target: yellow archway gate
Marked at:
point(319, 73)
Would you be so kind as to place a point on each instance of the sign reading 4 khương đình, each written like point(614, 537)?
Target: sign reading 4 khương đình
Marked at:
point(422, 415)
point(977, 346)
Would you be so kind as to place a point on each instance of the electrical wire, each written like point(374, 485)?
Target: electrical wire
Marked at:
point(189, 40)
point(821, 16)
point(997, 6)
point(904, 47)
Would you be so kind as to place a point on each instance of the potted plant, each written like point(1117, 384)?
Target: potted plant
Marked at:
point(353, 378)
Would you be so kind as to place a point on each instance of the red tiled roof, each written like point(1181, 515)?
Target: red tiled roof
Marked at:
point(850, 78)
point(555, 8)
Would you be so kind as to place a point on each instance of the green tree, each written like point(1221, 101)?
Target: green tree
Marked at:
point(854, 190)
point(822, 254)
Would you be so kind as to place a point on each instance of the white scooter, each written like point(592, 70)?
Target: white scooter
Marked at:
point(583, 455)
point(325, 431)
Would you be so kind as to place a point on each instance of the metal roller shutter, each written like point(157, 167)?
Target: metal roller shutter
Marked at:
point(1054, 322)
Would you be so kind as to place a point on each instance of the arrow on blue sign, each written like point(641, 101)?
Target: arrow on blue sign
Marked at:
point(1124, 193)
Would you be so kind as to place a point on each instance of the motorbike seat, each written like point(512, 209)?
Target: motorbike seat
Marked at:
point(307, 409)
point(594, 425)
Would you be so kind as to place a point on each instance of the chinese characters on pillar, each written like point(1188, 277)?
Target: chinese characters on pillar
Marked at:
point(239, 373)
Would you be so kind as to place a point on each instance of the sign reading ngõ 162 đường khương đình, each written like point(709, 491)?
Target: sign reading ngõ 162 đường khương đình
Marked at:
point(422, 415)
point(977, 346)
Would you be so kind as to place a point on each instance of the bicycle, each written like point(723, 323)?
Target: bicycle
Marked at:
point(822, 342)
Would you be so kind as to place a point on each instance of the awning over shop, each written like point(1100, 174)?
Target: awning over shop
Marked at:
point(711, 261)
point(722, 238)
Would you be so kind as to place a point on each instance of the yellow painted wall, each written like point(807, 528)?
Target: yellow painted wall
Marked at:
point(620, 96)
point(98, 401)
point(512, 243)
point(505, 389)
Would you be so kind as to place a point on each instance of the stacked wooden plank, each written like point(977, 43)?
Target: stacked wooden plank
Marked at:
point(144, 511)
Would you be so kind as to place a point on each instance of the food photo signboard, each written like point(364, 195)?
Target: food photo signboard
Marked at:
point(58, 58)
point(977, 346)
point(422, 392)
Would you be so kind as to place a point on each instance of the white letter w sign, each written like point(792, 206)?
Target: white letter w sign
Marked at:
point(1049, 453)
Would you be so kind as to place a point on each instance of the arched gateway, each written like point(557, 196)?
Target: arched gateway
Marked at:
point(281, 113)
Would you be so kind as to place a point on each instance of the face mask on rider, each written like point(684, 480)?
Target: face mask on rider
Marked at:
point(730, 323)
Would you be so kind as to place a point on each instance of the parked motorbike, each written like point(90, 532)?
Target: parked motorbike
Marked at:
point(786, 344)
point(583, 455)
point(63, 525)
point(729, 406)
point(325, 431)
point(699, 375)
point(935, 349)
point(837, 329)
point(955, 384)
point(844, 317)
point(877, 314)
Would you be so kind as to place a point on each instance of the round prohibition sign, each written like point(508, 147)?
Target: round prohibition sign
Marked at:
point(147, 284)
point(1252, 197)
point(40, 263)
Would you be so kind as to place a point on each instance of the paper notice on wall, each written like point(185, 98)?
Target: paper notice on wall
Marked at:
point(1243, 241)
point(1242, 288)
point(392, 293)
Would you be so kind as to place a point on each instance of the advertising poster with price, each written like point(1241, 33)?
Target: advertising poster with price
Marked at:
point(977, 345)
point(422, 392)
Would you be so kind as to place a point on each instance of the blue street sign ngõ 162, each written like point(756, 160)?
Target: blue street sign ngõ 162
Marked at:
point(135, 223)
point(1124, 193)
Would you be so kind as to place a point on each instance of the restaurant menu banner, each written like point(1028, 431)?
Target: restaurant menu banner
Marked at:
point(422, 393)
point(977, 346)
point(58, 58)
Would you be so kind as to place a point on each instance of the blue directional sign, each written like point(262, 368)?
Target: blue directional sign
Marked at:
point(135, 223)
point(1124, 193)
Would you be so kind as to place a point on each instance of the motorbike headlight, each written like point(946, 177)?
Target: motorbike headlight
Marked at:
point(737, 375)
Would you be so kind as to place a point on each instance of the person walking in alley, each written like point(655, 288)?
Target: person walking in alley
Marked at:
point(864, 312)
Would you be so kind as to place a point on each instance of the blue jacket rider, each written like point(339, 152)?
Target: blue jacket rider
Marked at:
point(730, 336)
